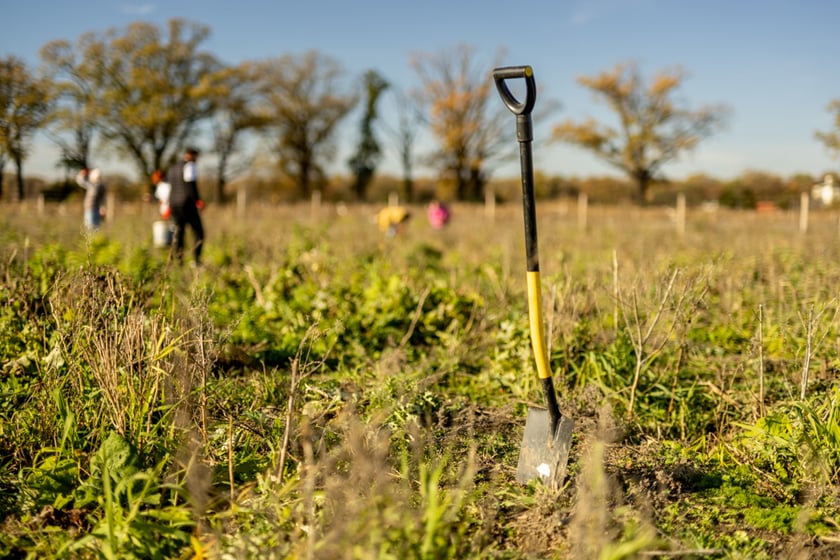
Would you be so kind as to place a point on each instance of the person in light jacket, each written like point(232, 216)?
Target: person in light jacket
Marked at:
point(91, 181)
point(162, 190)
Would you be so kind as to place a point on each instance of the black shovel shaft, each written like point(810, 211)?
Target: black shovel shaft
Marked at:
point(529, 206)
point(551, 403)
point(525, 135)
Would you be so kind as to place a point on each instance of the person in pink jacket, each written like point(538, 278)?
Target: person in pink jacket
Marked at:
point(438, 214)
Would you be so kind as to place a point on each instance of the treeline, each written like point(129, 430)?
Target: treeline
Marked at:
point(746, 191)
point(144, 93)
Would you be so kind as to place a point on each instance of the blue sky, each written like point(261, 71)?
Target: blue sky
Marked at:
point(773, 62)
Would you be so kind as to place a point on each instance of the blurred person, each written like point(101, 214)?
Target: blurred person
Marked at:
point(162, 191)
point(184, 203)
point(91, 181)
point(391, 220)
point(438, 214)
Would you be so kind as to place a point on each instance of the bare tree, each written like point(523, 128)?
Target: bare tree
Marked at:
point(236, 113)
point(73, 114)
point(305, 102)
point(404, 135)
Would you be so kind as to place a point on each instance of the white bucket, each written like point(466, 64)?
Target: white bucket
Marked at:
point(162, 233)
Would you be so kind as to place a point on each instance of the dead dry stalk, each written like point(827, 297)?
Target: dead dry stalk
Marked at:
point(287, 430)
point(806, 363)
point(641, 335)
point(302, 366)
point(647, 335)
point(811, 346)
point(616, 290)
point(761, 410)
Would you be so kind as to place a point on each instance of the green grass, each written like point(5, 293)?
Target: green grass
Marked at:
point(319, 391)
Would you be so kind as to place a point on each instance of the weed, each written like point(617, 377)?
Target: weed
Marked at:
point(315, 393)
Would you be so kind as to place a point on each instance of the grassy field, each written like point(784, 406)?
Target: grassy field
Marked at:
point(319, 391)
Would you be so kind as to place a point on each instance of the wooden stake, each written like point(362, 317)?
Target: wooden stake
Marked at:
point(241, 201)
point(490, 204)
point(315, 205)
point(583, 210)
point(681, 214)
point(110, 206)
point(803, 213)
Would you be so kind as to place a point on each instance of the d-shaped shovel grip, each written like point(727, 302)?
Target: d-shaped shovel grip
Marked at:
point(512, 72)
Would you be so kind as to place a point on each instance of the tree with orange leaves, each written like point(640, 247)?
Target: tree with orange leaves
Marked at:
point(25, 102)
point(652, 131)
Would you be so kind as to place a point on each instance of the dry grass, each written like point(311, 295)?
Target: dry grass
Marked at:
point(348, 472)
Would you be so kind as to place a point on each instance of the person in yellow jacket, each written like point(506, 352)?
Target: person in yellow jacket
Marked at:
point(390, 220)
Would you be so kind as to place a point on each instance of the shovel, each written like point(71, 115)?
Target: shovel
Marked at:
point(545, 444)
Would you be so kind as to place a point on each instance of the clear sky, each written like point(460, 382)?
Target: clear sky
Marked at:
point(773, 62)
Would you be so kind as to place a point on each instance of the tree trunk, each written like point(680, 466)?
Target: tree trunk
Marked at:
point(408, 188)
point(460, 187)
point(19, 165)
point(304, 180)
point(360, 185)
point(220, 190)
point(220, 179)
point(643, 182)
point(408, 181)
point(476, 185)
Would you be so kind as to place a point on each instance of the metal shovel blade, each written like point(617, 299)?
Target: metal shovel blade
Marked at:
point(543, 455)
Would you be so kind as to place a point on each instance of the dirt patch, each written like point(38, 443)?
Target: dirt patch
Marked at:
point(542, 530)
point(802, 547)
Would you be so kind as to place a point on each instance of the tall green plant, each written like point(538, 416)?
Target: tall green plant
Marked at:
point(133, 519)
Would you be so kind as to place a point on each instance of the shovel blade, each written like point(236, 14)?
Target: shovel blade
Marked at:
point(544, 455)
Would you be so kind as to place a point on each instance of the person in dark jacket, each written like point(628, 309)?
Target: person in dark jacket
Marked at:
point(184, 202)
